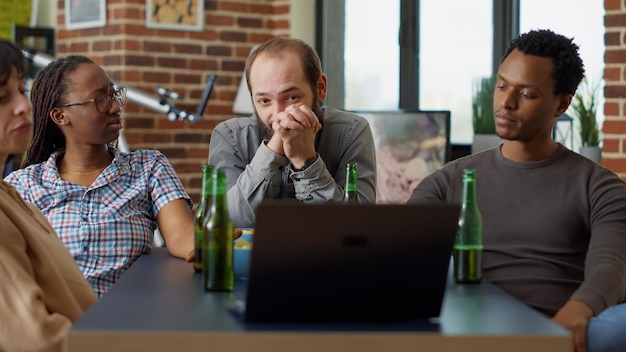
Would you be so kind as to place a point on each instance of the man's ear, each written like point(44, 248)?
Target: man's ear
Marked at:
point(58, 116)
point(321, 87)
point(564, 101)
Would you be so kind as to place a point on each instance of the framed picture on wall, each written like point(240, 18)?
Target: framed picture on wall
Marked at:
point(81, 14)
point(409, 146)
point(180, 15)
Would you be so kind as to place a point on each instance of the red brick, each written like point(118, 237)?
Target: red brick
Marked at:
point(187, 49)
point(139, 123)
point(111, 60)
point(281, 10)
point(139, 60)
point(128, 13)
point(210, 5)
point(158, 77)
point(611, 109)
point(243, 51)
point(615, 91)
point(157, 46)
point(262, 9)
point(612, 74)
point(157, 138)
point(228, 95)
point(189, 138)
point(77, 47)
point(615, 20)
point(219, 50)
point(612, 5)
point(617, 165)
point(245, 22)
point(206, 35)
point(615, 56)
point(127, 44)
point(230, 65)
point(258, 38)
point(203, 65)
point(611, 145)
point(284, 24)
point(170, 125)
point(176, 62)
point(219, 20)
point(138, 29)
point(612, 39)
point(615, 126)
point(187, 78)
point(231, 36)
point(133, 137)
point(219, 109)
point(233, 7)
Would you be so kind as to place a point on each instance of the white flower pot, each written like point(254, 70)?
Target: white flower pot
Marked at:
point(592, 153)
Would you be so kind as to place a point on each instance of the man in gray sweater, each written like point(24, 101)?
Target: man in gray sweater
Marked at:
point(292, 147)
point(554, 221)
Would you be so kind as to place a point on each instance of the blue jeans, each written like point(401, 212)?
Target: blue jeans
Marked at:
point(607, 331)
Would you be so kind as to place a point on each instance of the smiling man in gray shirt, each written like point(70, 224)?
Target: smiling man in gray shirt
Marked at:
point(291, 147)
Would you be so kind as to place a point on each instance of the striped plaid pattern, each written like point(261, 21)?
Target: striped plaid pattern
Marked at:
point(109, 225)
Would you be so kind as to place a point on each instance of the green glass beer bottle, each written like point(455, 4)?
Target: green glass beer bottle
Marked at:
point(205, 204)
point(468, 245)
point(350, 191)
point(217, 256)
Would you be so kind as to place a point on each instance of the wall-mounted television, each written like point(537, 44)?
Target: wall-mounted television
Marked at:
point(409, 146)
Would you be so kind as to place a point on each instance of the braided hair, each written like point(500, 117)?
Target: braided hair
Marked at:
point(49, 86)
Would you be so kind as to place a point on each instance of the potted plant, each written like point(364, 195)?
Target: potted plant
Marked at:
point(482, 115)
point(584, 108)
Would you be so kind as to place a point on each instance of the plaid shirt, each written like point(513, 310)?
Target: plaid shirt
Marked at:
point(109, 225)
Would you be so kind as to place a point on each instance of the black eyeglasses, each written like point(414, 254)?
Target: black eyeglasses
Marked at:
point(105, 101)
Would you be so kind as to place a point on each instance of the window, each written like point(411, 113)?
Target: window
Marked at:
point(456, 41)
point(371, 57)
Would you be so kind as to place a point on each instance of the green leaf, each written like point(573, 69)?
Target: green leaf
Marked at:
point(584, 108)
point(482, 106)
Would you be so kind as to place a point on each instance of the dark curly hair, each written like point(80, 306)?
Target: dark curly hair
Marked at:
point(11, 57)
point(49, 86)
point(568, 69)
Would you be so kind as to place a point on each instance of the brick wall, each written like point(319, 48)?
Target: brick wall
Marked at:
point(143, 58)
point(614, 129)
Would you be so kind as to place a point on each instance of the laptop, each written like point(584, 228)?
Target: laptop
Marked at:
point(349, 263)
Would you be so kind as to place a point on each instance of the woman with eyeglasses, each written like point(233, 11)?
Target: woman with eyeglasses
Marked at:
point(105, 205)
point(42, 291)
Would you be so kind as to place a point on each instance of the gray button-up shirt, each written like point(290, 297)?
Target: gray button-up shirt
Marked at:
point(255, 173)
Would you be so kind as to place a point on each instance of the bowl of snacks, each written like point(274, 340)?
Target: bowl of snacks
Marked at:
point(242, 250)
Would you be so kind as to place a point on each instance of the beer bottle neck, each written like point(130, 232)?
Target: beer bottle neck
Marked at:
point(351, 189)
point(469, 192)
point(219, 199)
point(207, 184)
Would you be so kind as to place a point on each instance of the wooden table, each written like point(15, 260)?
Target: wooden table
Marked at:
point(159, 305)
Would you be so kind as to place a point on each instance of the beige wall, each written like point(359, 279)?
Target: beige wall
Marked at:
point(302, 20)
point(46, 13)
